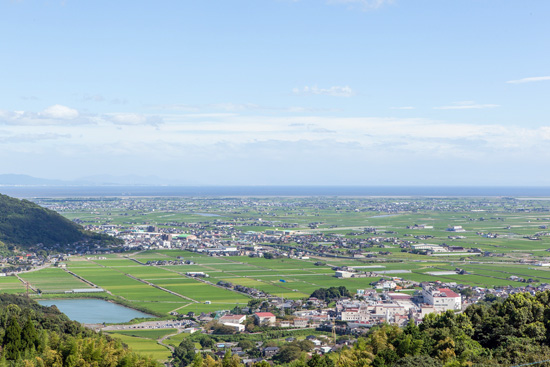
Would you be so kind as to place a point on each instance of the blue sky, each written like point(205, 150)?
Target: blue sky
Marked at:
point(278, 92)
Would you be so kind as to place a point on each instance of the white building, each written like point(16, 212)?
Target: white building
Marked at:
point(442, 299)
point(343, 274)
point(265, 318)
point(237, 327)
point(428, 247)
point(350, 314)
point(232, 319)
point(387, 284)
point(456, 229)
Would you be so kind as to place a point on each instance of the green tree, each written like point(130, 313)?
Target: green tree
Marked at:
point(206, 342)
point(12, 340)
point(319, 361)
point(184, 353)
point(29, 336)
point(287, 353)
point(417, 361)
point(246, 344)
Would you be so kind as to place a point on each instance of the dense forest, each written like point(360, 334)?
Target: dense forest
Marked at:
point(25, 224)
point(33, 335)
point(509, 332)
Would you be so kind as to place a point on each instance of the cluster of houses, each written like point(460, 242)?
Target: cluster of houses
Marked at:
point(243, 289)
point(366, 309)
point(396, 307)
point(17, 263)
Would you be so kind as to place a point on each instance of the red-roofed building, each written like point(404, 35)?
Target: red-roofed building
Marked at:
point(448, 292)
point(265, 318)
point(442, 299)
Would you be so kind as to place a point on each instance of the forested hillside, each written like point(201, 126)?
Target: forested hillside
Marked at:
point(33, 335)
point(25, 224)
point(503, 333)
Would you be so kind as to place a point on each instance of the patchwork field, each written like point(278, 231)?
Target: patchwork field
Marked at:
point(509, 234)
point(53, 280)
point(11, 284)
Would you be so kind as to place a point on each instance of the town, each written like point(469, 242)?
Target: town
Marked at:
point(321, 270)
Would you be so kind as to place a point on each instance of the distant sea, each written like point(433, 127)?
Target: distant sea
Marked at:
point(231, 191)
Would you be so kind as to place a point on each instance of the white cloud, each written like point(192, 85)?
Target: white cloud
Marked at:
point(335, 91)
point(529, 80)
point(59, 115)
point(53, 115)
point(297, 141)
point(59, 112)
point(466, 105)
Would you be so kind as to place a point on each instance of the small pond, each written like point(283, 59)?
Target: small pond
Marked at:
point(94, 311)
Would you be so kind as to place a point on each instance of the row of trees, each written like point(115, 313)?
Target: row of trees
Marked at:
point(332, 293)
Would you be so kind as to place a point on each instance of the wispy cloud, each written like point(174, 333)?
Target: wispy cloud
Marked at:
point(403, 108)
point(32, 138)
point(529, 80)
point(363, 4)
point(335, 91)
point(29, 98)
point(466, 105)
point(132, 119)
point(296, 140)
point(238, 107)
point(101, 98)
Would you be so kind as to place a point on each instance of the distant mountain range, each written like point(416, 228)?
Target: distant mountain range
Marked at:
point(97, 180)
point(11, 179)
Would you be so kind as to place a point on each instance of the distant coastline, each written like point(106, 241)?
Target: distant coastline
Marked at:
point(44, 191)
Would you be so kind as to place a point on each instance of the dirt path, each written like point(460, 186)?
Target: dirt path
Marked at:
point(162, 339)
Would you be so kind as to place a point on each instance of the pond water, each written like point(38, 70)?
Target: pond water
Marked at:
point(94, 311)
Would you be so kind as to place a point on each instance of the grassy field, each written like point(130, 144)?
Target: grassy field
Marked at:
point(53, 280)
point(11, 284)
point(145, 346)
point(153, 334)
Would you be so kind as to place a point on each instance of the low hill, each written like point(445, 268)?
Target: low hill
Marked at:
point(25, 224)
point(34, 335)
